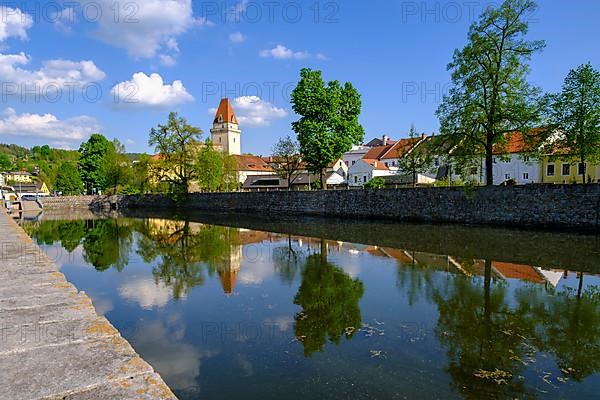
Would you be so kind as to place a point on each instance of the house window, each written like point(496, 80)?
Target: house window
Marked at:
point(566, 169)
point(506, 176)
point(550, 170)
point(347, 163)
point(353, 162)
point(220, 140)
point(526, 159)
point(525, 176)
point(365, 179)
point(355, 179)
point(581, 168)
point(494, 160)
point(393, 163)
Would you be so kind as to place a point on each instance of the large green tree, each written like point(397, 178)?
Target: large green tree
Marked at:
point(68, 180)
point(215, 169)
point(490, 95)
point(176, 142)
point(328, 124)
point(91, 161)
point(576, 114)
point(116, 168)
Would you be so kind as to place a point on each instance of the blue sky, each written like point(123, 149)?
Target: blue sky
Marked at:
point(179, 55)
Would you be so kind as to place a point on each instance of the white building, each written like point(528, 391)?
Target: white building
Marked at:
point(363, 171)
point(511, 163)
point(353, 156)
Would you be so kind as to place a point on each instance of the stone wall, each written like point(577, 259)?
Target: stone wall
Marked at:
point(555, 206)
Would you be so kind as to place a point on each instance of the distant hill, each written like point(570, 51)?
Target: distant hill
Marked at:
point(42, 161)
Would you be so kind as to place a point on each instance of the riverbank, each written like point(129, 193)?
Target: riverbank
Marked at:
point(563, 207)
point(54, 345)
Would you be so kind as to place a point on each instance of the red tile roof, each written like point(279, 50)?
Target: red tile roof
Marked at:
point(517, 142)
point(518, 271)
point(378, 165)
point(225, 111)
point(252, 163)
point(392, 151)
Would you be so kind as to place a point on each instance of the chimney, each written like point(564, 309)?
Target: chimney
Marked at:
point(424, 135)
point(385, 140)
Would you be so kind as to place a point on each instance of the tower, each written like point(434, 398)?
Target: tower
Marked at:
point(226, 133)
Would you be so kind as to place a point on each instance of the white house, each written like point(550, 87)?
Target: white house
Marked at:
point(512, 162)
point(353, 156)
point(363, 171)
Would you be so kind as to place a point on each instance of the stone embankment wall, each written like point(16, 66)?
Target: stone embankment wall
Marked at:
point(557, 206)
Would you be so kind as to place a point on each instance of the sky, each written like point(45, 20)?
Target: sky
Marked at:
point(72, 68)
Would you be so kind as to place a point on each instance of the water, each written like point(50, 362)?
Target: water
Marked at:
point(414, 312)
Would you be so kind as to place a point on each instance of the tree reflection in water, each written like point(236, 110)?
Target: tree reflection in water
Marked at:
point(186, 253)
point(329, 299)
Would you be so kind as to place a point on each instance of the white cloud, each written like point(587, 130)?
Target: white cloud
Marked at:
point(237, 37)
point(57, 72)
point(150, 91)
point(47, 126)
point(145, 28)
point(146, 293)
point(280, 52)
point(14, 23)
point(64, 19)
point(167, 61)
point(253, 111)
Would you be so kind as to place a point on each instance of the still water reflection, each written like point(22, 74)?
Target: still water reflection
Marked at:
point(224, 312)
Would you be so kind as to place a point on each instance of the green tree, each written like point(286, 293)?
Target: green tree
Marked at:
point(141, 181)
point(177, 143)
point(329, 299)
point(417, 160)
point(91, 161)
point(576, 114)
point(287, 160)
point(116, 169)
point(5, 163)
point(490, 95)
point(375, 183)
point(328, 124)
point(68, 181)
point(211, 168)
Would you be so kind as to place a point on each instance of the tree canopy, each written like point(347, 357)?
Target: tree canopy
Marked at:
point(68, 180)
point(177, 144)
point(490, 95)
point(575, 113)
point(328, 124)
point(92, 159)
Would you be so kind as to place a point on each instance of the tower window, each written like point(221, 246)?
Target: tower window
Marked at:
point(220, 119)
point(220, 140)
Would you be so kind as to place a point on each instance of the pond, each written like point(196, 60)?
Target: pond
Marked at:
point(230, 307)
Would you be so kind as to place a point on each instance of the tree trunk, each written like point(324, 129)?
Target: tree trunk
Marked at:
point(323, 180)
point(487, 285)
point(323, 251)
point(583, 176)
point(489, 164)
point(580, 288)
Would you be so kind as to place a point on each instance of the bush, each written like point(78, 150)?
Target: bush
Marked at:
point(376, 183)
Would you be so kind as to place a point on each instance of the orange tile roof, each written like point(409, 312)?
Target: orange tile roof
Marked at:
point(252, 163)
point(378, 165)
point(516, 142)
point(225, 111)
point(392, 151)
point(518, 271)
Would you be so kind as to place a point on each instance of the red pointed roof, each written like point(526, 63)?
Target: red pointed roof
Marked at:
point(225, 111)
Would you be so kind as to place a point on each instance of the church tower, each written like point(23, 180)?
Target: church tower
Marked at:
point(226, 133)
